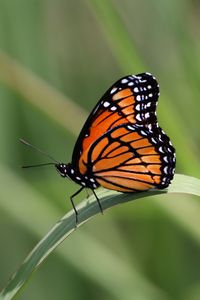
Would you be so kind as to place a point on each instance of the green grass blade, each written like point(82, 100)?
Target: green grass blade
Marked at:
point(87, 209)
point(116, 35)
point(105, 274)
point(40, 94)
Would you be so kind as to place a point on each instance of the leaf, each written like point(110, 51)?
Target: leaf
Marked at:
point(87, 209)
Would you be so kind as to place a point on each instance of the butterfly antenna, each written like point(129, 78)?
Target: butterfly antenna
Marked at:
point(38, 165)
point(40, 151)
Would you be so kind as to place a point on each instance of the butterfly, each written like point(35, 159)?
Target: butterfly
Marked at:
point(121, 146)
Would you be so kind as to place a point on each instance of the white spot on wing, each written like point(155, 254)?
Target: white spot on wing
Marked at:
point(153, 140)
point(138, 107)
point(165, 158)
point(143, 132)
point(138, 98)
point(138, 117)
point(106, 104)
point(131, 127)
point(113, 90)
point(165, 170)
point(136, 90)
point(113, 108)
point(124, 80)
point(160, 149)
point(148, 104)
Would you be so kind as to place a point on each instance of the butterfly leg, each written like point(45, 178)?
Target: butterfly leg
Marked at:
point(73, 204)
point(99, 203)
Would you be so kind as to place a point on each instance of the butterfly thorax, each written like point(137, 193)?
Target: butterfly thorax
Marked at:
point(67, 170)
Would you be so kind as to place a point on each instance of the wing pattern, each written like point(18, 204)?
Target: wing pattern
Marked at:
point(132, 158)
point(121, 145)
point(132, 99)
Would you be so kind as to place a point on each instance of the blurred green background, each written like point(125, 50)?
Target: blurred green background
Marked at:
point(57, 58)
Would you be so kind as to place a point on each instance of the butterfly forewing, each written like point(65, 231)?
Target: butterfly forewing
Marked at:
point(132, 99)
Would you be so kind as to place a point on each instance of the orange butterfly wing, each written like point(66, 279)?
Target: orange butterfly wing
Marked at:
point(131, 158)
point(132, 99)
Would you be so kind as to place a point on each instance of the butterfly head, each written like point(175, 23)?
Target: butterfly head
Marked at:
point(62, 169)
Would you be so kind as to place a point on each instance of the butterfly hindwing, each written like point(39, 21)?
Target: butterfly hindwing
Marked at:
point(131, 158)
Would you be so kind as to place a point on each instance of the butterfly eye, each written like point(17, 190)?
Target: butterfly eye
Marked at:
point(62, 169)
